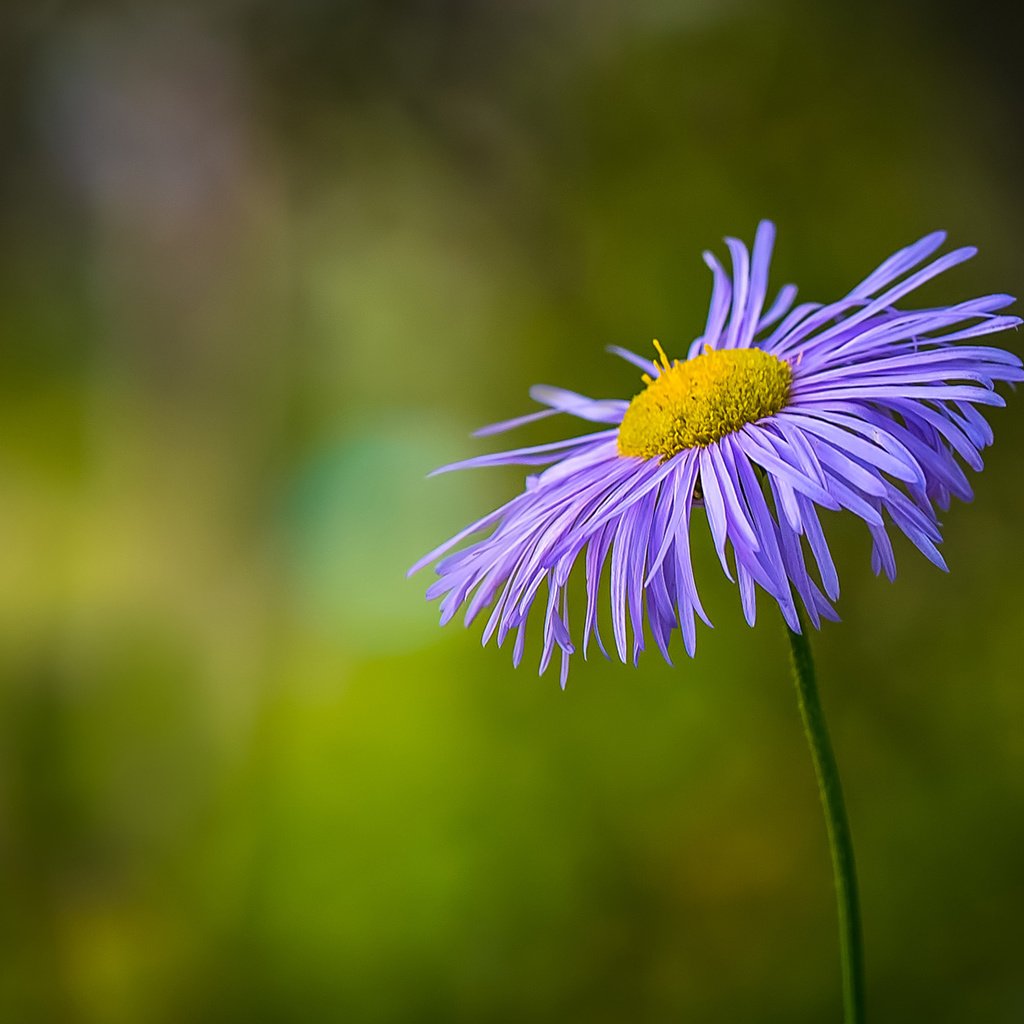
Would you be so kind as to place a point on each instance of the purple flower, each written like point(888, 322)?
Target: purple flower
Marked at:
point(775, 412)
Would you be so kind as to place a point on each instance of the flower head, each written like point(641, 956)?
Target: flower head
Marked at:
point(774, 413)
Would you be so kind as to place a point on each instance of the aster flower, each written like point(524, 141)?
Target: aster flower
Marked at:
point(777, 411)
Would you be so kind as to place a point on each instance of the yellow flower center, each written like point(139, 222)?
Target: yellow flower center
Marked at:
point(694, 403)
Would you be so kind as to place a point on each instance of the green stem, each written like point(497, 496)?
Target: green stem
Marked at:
point(851, 951)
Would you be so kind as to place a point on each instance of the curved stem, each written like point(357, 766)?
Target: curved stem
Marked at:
point(840, 845)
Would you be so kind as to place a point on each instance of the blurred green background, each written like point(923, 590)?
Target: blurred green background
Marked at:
point(266, 264)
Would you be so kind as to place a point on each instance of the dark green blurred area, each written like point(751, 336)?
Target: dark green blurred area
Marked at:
point(264, 266)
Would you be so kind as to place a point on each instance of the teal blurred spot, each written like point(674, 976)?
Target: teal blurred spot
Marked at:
point(359, 512)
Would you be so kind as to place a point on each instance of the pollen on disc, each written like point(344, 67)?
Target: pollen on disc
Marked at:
point(692, 404)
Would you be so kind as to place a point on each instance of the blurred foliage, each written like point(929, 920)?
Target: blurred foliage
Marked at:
point(265, 265)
